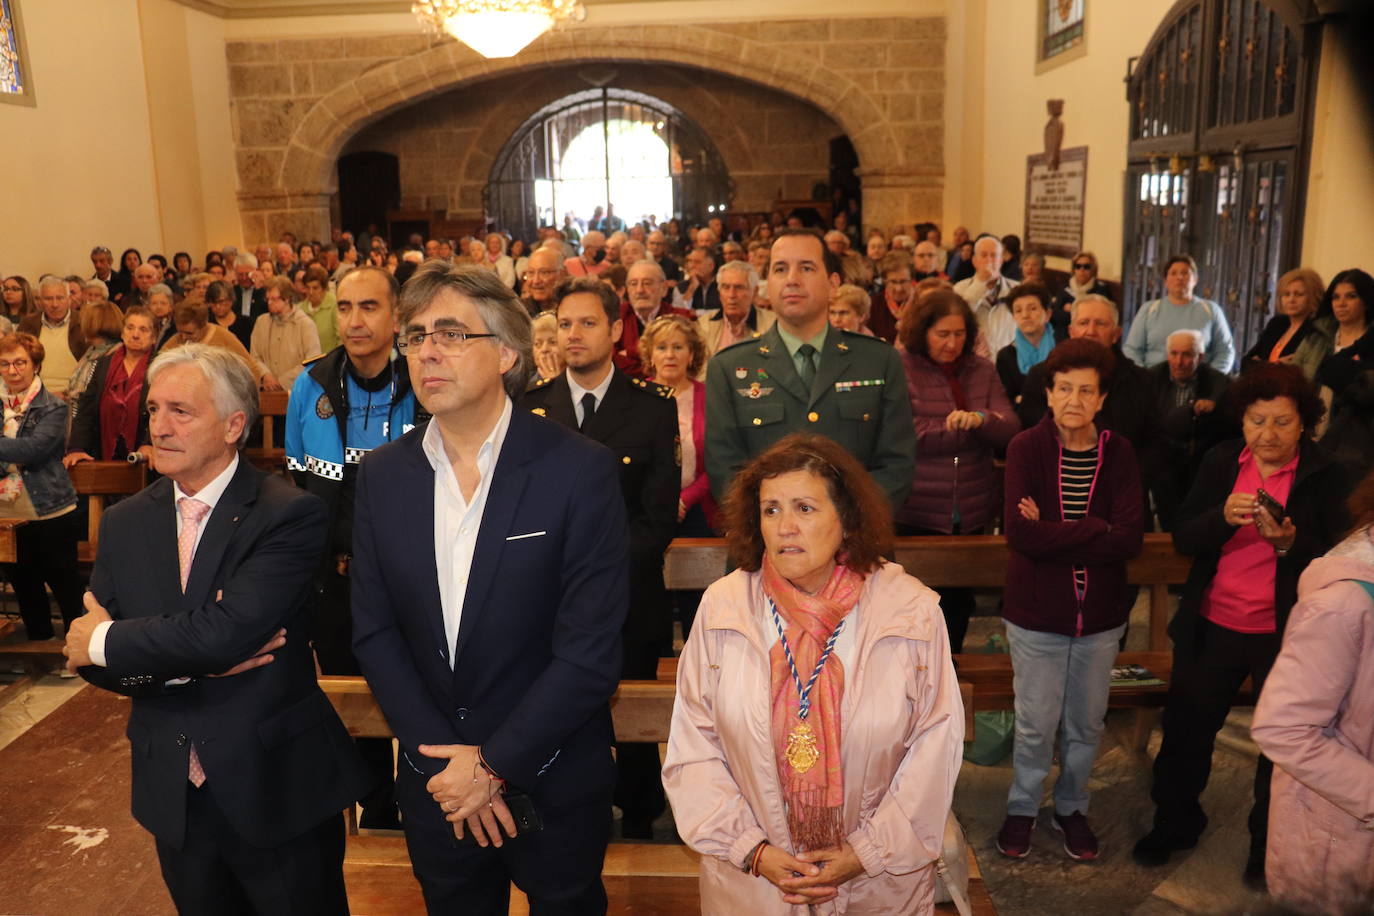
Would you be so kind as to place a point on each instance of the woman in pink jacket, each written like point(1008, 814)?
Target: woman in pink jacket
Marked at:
point(1315, 721)
point(818, 730)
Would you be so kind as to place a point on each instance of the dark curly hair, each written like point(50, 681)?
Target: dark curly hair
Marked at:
point(1267, 381)
point(865, 514)
point(929, 308)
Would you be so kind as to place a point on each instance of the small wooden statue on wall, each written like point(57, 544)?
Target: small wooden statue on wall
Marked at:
point(1054, 133)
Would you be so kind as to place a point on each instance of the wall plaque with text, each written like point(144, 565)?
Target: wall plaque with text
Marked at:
point(1055, 203)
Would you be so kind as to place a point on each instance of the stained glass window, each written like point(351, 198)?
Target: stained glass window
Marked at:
point(13, 70)
point(1063, 27)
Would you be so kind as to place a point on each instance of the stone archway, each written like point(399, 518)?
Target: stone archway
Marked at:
point(287, 145)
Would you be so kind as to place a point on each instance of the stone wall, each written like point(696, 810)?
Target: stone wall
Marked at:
point(297, 102)
point(773, 144)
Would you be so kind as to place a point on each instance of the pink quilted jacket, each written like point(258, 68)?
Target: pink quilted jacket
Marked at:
point(1315, 720)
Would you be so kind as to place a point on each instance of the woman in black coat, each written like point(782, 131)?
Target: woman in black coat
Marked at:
point(1253, 557)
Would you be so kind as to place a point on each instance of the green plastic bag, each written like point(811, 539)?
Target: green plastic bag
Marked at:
point(994, 732)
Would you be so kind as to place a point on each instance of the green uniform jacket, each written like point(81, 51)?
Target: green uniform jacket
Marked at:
point(754, 397)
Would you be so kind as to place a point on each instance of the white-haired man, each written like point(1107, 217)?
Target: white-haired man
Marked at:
point(986, 292)
point(57, 329)
point(208, 570)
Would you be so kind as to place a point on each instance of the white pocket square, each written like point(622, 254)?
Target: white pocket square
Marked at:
point(532, 534)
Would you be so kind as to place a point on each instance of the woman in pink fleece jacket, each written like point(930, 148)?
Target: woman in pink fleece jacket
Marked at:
point(818, 729)
point(1315, 721)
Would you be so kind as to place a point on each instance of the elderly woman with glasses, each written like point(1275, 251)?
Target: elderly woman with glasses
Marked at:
point(817, 730)
point(34, 486)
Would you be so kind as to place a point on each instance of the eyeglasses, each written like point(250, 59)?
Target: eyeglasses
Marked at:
point(19, 364)
point(1083, 265)
point(447, 340)
point(543, 274)
point(14, 289)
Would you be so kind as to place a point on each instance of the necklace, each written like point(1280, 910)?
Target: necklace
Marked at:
point(801, 753)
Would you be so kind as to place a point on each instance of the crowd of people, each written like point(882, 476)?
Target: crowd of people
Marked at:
point(808, 396)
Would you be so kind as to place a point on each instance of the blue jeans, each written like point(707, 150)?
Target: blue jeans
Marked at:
point(1059, 681)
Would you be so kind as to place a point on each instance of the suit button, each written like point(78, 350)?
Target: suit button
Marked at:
point(625, 460)
point(181, 740)
point(813, 416)
point(462, 712)
point(865, 418)
point(758, 422)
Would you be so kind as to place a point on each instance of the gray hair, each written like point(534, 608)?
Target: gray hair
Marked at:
point(99, 286)
point(246, 258)
point(1095, 297)
point(232, 386)
point(502, 313)
point(650, 265)
point(740, 267)
point(51, 280)
point(160, 289)
point(903, 241)
point(1193, 334)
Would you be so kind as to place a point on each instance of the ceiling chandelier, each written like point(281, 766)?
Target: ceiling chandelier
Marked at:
point(496, 28)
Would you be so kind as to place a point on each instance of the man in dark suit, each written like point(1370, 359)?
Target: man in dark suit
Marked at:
point(490, 580)
point(240, 778)
point(249, 301)
point(637, 421)
point(701, 293)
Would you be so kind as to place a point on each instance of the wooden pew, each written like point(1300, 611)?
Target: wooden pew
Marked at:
point(98, 481)
point(270, 456)
point(641, 711)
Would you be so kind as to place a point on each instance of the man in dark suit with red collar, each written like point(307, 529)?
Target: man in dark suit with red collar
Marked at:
point(489, 585)
point(637, 421)
point(240, 778)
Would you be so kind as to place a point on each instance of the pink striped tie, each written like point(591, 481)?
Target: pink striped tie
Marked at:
point(192, 511)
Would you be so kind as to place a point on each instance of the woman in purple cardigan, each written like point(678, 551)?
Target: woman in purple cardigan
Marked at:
point(1073, 518)
point(962, 416)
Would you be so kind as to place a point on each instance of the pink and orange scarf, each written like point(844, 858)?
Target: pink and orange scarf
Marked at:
point(814, 800)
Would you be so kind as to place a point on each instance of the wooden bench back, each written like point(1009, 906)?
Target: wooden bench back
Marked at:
point(270, 456)
point(968, 561)
point(97, 481)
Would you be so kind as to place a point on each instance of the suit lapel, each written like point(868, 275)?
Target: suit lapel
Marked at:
point(508, 481)
point(609, 416)
point(781, 369)
point(421, 496)
point(560, 407)
point(164, 565)
point(241, 493)
point(834, 363)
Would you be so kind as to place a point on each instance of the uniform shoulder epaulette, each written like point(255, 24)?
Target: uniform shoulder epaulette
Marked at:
point(312, 360)
point(540, 383)
point(740, 343)
point(662, 391)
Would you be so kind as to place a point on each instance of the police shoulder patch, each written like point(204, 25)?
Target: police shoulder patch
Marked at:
point(323, 409)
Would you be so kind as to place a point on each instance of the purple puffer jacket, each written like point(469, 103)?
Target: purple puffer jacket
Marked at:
point(954, 472)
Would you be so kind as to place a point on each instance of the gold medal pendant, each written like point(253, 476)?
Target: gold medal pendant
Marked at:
point(801, 752)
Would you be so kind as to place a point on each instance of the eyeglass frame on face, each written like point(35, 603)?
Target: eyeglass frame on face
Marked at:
point(542, 272)
point(18, 364)
point(1086, 265)
point(456, 340)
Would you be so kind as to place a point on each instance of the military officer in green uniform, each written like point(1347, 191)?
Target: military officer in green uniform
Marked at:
point(803, 375)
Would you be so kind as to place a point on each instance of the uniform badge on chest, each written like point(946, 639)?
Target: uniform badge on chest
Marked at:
point(323, 409)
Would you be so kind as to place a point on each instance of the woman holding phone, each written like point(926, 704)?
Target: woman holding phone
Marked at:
point(1259, 511)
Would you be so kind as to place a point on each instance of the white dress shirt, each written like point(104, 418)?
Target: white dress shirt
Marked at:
point(457, 521)
point(577, 391)
point(208, 494)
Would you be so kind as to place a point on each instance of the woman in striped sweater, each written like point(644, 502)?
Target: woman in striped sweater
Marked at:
point(1073, 518)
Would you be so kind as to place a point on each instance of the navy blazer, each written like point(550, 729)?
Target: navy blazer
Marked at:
point(538, 653)
point(279, 759)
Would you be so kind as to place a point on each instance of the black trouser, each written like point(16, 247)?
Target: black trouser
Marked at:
point(218, 873)
point(558, 868)
point(333, 641)
point(46, 553)
point(1201, 691)
point(957, 604)
point(647, 636)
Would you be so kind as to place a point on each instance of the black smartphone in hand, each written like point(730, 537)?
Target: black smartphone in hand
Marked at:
point(1270, 505)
